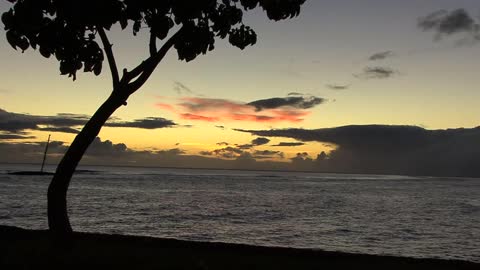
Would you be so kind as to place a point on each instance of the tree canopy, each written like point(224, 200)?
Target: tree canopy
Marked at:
point(67, 29)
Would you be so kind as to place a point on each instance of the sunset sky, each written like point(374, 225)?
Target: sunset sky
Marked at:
point(344, 62)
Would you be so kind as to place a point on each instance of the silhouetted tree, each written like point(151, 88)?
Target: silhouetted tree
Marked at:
point(70, 31)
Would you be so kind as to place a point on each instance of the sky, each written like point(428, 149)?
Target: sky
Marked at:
point(365, 63)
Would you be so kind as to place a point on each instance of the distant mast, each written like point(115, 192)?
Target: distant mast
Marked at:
point(45, 154)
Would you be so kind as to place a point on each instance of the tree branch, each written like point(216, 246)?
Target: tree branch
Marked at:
point(153, 44)
point(111, 59)
point(141, 67)
point(146, 68)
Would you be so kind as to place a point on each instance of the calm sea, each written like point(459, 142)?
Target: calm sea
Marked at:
point(395, 215)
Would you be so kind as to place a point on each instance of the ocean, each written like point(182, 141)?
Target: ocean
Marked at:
point(428, 217)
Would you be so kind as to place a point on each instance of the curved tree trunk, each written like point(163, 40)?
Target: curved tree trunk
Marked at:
point(58, 222)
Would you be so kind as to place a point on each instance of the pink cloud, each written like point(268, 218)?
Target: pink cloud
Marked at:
point(166, 107)
point(195, 104)
point(189, 116)
point(220, 110)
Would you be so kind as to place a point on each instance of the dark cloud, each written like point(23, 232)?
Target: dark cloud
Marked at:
point(337, 87)
point(220, 127)
point(181, 89)
point(255, 142)
point(55, 147)
point(445, 23)
point(68, 123)
point(289, 144)
point(16, 122)
point(381, 55)
point(106, 148)
point(322, 156)
point(223, 143)
point(99, 152)
point(146, 123)
point(260, 141)
point(13, 122)
point(103, 152)
point(294, 94)
point(298, 102)
point(237, 150)
point(244, 146)
point(379, 135)
point(393, 149)
point(28, 152)
point(264, 154)
point(376, 73)
point(230, 149)
point(228, 152)
point(206, 153)
point(301, 156)
point(243, 152)
point(16, 126)
point(10, 136)
point(60, 129)
point(171, 152)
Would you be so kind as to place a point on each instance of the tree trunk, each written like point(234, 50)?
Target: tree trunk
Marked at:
point(58, 222)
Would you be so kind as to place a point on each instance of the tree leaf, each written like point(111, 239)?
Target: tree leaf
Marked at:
point(97, 68)
point(44, 52)
point(12, 39)
point(7, 19)
point(23, 43)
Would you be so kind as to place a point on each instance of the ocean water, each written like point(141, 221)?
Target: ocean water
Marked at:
point(395, 215)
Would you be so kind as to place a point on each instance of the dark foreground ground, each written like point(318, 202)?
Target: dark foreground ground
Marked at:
point(26, 249)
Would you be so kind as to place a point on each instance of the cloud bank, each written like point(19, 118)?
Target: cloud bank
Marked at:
point(17, 125)
point(108, 153)
point(371, 149)
point(391, 149)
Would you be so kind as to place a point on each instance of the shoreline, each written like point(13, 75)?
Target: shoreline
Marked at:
point(29, 249)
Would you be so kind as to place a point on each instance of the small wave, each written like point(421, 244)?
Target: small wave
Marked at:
point(267, 176)
point(88, 172)
point(2, 217)
point(469, 207)
point(5, 215)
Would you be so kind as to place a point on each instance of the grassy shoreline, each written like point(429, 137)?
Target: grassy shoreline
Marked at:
point(31, 249)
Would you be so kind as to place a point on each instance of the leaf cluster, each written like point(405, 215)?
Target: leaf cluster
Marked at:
point(67, 29)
